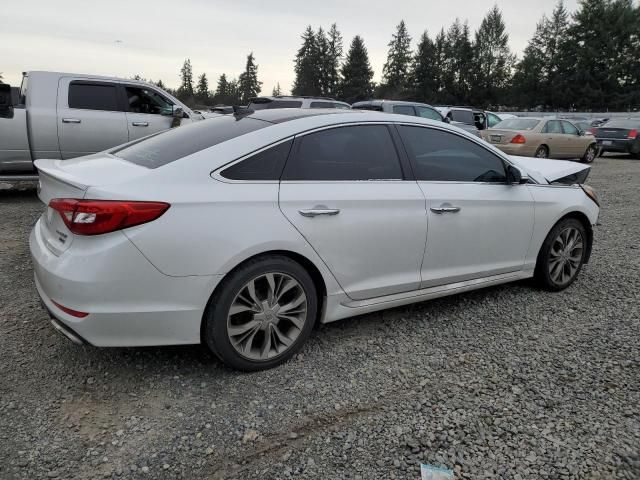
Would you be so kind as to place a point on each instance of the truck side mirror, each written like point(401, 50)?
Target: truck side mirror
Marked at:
point(6, 102)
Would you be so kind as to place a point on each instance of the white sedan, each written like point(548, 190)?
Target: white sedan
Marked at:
point(243, 231)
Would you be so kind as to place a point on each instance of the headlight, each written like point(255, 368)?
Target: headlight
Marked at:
point(591, 193)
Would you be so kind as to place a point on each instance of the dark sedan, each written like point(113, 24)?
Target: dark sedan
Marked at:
point(619, 135)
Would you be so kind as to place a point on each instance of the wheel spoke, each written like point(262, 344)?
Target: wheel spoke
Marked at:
point(284, 287)
point(236, 330)
point(271, 294)
point(266, 344)
point(299, 300)
point(251, 288)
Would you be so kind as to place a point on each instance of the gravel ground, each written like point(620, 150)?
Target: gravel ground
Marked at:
point(507, 382)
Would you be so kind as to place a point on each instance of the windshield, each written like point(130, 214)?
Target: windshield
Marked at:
point(518, 124)
point(623, 123)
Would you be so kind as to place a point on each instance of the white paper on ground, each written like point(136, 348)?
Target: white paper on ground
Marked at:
point(429, 472)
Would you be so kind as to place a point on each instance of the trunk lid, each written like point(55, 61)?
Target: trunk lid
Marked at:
point(500, 137)
point(553, 171)
point(610, 132)
point(71, 179)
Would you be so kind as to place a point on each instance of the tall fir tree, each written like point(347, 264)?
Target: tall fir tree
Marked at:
point(357, 74)
point(493, 60)
point(457, 64)
point(160, 84)
point(424, 76)
point(202, 89)
point(186, 80)
point(307, 80)
point(323, 60)
point(396, 69)
point(277, 91)
point(248, 84)
point(333, 60)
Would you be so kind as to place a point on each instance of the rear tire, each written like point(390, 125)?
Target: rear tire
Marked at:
point(590, 154)
point(562, 255)
point(261, 314)
point(542, 152)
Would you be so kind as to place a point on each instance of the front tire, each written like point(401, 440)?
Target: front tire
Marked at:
point(542, 152)
point(590, 155)
point(562, 255)
point(261, 314)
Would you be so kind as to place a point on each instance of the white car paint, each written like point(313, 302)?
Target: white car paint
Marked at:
point(150, 284)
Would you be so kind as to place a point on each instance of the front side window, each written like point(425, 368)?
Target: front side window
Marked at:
point(430, 113)
point(146, 100)
point(359, 152)
point(553, 126)
point(93, 96)
point(265, 165)
point(403, 110)
point(569, 128)
point(445, 157)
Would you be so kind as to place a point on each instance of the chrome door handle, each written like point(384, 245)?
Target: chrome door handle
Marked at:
point(140, 124)
point(314, 212)
point(71, 120)
point(441, 210)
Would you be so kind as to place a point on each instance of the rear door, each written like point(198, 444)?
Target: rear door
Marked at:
point(90, 117)
point(553, 137)
point(148, 111)
point(346, 191)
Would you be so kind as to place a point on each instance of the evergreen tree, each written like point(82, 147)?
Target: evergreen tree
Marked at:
point(202, 89)
point(307, 81)
point(160, 84)
point(222, 89)
point(1, 78)
point(186, 77)
point(356, 73)
point(457, 64)
point(439, 45)
point(396, 69)
point(276, 90)
point(554, 39)
point(530, 74)
point(494, 61)
point(248, 83)
point(332, 61)
point(323, 61)
point(424, 76)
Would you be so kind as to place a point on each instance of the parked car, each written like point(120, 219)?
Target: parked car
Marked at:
point(414, 109)
point(286, 101)
point(494, 118)
point(242, 231)
point(468, 115)
point(542, 138)
point(619, 135)
point(66, 115)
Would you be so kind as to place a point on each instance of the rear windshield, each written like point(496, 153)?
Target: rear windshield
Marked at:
point(263, 105)
point(517, 124)
point(623, 123)
point(367, 106)
point(169, 146)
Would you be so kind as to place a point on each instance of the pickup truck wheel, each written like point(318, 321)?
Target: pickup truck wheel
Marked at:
point(542, 152)
point(590, 155)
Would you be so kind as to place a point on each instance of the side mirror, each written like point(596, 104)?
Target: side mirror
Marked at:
point(446, 120)
point(516, 176)
point(177, 111)
point(6, 102)
point(581, 133)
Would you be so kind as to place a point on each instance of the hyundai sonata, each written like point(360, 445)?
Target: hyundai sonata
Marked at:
point(242, 231)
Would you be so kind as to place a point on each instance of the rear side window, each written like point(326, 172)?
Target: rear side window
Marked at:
point(404, 110)
point(322, 105)
point(375, 108)
point(265, 165)
point(169, 146)
point(94, 96)
point(359, 152)
point(439, 156)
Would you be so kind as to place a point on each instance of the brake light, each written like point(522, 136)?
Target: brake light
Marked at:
point(95, 217)
point(519, 139)
point(632, 134)
point(592, 131)
point(69, 311)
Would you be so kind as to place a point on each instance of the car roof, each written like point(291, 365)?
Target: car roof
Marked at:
point(392, 102)
point(280, 115)
point(291, 97)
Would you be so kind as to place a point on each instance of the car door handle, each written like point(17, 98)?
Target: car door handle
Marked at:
point(140, 124)
point(441, 210)
point(314, 212)
point(71, 120)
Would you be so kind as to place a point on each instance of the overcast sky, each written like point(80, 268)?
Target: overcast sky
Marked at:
point(152, 38)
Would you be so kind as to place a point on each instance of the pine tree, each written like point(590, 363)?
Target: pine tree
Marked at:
point(554, 38)
point(160, 84)
point(1, 78)
point(248, 83)
point(202, 89)
point(494, 61)
point(186, 76)
point(457, 64)
point(424, 76)
point(439, 45)
point(323, 61)
point(529, 79)
point(356, 73)
point(276, 92)
point(333, 59)
point(307, 81)
point(396, 69)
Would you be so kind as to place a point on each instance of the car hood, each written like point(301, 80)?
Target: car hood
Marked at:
point(553, 171)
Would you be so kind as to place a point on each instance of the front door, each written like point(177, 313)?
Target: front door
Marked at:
point(90, 117)
point(147, 111)
point(576, 144)
point(343, 189)
point(479, 225)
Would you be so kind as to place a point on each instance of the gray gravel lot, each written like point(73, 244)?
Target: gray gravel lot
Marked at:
point(507, 382)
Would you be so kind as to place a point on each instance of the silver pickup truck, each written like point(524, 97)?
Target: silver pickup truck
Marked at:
point(64, 115)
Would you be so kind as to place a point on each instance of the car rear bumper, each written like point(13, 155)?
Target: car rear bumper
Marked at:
point(522, 150)
point(127, 300)
point(615, 145)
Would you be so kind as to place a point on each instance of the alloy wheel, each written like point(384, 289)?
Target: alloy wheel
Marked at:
point(541, 153)
point(267, 316)
point(565, 256)
point(591, 154)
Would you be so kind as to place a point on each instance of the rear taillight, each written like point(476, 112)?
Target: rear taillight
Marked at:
point(519, 139)
point(592, 131)
point(632, 134)
point(95, 217)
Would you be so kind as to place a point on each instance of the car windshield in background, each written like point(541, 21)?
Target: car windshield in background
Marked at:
point(271, 104)
point(167, 147)
point(623, 123)
point(517, 124)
